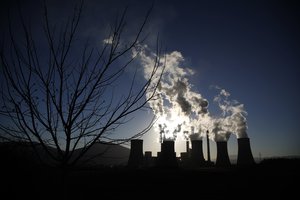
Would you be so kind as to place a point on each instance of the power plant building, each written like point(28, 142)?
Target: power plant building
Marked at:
point(193, 157)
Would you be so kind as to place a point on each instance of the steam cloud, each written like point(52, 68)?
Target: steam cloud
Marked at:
point(182, 111)
point(233, 118)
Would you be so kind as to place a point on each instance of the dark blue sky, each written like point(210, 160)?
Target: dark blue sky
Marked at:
point(250, 48)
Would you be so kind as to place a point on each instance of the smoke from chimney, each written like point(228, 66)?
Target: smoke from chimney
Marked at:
point(176, 103)
point(233, 118)
point(178, 108)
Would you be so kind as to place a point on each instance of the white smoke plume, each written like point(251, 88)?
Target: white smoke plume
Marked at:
point(176, 102)
point(194, 135)
point(180, 111)
point(233, 119)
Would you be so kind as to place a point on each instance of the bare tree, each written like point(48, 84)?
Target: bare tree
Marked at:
point(62, 96)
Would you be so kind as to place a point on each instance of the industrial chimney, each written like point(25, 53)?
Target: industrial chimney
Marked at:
point(222, 154)
point(136, 153)
point(208, 149)
point(245, 156)
point(187, 147)
point(197, 153)
point(167, 157)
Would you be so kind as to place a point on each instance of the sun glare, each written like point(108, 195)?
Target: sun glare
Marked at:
point(170, 125)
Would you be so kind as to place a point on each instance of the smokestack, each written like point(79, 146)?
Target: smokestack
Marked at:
point(136, 153)
point(167, 157)
point(187, 147)
point(245, 156)
point(222, 154)
point(197, 153)
point(208, 149)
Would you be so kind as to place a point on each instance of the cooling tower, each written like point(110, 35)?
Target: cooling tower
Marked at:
point(222, 154)
point(136, 154)
point(167, 156)
point(197, 153)
point(244, 152)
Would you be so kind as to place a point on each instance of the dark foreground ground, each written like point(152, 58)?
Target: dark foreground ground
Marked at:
point(270, 179)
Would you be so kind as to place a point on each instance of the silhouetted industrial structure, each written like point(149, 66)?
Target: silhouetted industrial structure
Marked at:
point(187, 146)
point(167, 156)
point(197, 153)
point(222, 154)
point(208, 161)
point(245, 156)
point(194, 157)
point(136, 157)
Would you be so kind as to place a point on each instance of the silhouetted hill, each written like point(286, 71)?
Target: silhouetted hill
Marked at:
point(105, 155)
point(14, 154)
point(22, 154)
